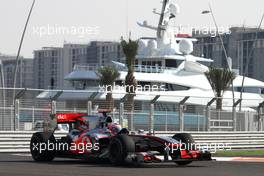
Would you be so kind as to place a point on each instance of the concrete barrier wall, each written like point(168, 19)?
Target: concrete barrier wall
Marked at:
point(18, 141)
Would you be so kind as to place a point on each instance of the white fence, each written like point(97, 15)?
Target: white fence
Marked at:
point(30, 118)
point(27, 111)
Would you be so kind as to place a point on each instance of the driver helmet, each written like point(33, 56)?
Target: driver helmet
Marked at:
point(114, 128)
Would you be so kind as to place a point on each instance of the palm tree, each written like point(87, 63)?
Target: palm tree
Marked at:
point(130, 49)
point(220, 80)
point(108, 76)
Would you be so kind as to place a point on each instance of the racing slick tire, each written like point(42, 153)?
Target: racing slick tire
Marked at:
point(188, 141)
point(37, 152)
point(120, 146)
point(183, 163)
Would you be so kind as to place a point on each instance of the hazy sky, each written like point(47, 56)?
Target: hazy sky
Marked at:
point(108, 19)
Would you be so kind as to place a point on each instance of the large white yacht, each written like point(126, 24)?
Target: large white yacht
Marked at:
point(165, 66)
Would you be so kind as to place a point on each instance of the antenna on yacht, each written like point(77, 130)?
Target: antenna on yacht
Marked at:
point(127, 19)
point(130, 34)
point(161, 18)
point(155, 11)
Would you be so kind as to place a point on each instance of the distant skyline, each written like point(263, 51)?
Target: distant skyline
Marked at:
point(108, 19)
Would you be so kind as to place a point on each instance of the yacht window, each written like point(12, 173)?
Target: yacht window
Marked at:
point(171, 63)
point(175, 87)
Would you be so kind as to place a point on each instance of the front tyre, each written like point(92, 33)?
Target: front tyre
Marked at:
point(186, 140)
point(42, 149)
point(183, 163)
point(119, 148)
point(189, 144)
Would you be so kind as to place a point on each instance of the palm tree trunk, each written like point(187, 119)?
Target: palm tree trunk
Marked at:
point(109, 101)
point(219, 103)
point(130, 89)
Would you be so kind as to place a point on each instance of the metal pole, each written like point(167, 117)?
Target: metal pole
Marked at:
point(217, 30)
point(259, 118)
point(166, 122)
point(3, 91)
point(18, 54)
point(204, 122)
point(198, 122)
point(234, 115)
point(21, 73)
point(17, 112)
point(132, 120)
point(33, 117)
point(151, 119)
point(181, 112)
point(249, 124)
point(247, 61)
point(20, 46)
point(181, 117)
point(121, 113)
point(208, 115)
point(161, 18)
point(234, 118)
point(89, 107)
point(53, 107)
point(11, 119)
point(224, 49)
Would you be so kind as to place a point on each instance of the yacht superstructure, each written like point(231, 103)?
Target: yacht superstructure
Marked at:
point(166, 67)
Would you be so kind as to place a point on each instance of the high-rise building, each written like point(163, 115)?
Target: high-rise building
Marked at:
point(47, 62)
point(24, 72)
point(52, 64)
point(244, 45)
point(102, 53)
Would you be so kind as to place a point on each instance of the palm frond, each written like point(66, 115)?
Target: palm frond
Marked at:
point(108, 75)
point(130, 49)
point(220, 80)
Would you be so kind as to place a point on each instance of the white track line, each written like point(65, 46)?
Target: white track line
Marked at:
point(239, 159)
point(21, 154)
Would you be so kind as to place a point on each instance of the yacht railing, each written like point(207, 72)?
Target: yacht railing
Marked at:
point(138, 68)
point(86, 67)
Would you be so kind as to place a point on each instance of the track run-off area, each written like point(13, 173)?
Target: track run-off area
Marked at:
point(23, 165)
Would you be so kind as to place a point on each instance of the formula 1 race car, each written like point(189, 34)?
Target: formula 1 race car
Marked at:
point(98, 137)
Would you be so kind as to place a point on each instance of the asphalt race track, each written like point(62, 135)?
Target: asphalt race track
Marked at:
point(22, 165)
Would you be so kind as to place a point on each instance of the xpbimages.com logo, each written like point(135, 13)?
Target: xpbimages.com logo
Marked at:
point(79, 31)
point(131, 88)
point(50, 146)
point(212, 147)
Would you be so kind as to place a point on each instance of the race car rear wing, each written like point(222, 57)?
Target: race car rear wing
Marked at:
point(68, 118)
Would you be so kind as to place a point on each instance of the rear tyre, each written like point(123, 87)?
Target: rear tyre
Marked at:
point(187, 140)
point(39, 147)
point(119, 148)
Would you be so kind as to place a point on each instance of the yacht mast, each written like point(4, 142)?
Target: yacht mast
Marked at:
point(161, 18)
